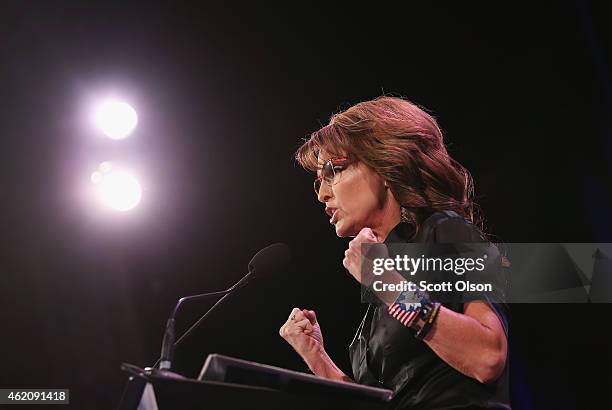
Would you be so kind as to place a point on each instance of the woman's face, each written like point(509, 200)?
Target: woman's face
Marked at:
point(357, 199)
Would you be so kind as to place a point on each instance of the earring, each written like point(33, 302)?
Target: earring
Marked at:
point(404, 215)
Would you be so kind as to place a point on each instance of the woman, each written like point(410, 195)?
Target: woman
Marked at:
point(384, 175)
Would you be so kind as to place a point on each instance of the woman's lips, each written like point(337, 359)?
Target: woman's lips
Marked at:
point(334, 217)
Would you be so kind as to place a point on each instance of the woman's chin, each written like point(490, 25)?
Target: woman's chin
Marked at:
point(342, 231)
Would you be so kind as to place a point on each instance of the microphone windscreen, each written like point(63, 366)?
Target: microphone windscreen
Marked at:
point(270, 260)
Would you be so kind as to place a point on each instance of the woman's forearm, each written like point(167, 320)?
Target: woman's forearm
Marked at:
point(322, 365)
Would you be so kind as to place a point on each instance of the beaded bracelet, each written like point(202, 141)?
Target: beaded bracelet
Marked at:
point(428, 319)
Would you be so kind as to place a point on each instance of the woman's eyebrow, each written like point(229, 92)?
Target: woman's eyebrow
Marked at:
point(319, 168)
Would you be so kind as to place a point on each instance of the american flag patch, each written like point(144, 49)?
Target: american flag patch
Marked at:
point(405, 313)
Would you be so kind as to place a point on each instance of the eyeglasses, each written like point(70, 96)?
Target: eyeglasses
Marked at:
point(330, 172)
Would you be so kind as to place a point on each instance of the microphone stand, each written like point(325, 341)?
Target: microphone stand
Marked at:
point(169, 343)
point(134, 390)
point(270, 259)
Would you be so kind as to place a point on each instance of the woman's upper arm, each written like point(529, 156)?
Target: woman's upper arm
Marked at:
point(484, 313)
point(495, 331)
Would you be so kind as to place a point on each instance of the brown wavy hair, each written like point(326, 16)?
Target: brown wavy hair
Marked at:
point(404, 145)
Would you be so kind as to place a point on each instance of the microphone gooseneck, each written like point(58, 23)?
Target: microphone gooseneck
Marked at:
point(265, 263)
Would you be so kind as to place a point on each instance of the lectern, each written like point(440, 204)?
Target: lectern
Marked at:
point(230, 383)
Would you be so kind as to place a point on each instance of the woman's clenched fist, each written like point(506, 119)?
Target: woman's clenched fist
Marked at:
point(302, 332)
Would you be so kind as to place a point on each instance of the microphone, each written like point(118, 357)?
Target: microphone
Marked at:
point(266, 263)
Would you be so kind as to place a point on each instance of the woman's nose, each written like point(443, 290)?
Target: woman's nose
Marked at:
point(325, 193)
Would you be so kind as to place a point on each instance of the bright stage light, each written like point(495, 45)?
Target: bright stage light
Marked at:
point(116, 119)
point(117, 189)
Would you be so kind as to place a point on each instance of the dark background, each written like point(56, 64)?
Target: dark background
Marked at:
point(224, 95)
